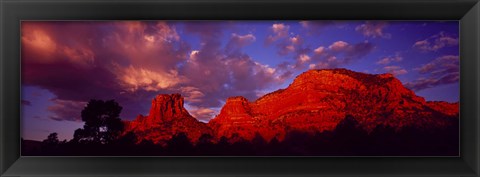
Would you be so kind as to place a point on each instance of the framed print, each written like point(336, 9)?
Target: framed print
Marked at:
point(204, 88)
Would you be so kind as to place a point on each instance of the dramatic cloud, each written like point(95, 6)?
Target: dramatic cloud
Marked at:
point(373, 29)
point(215, 72)
point(133, 61)
point(436, 42)
point(78, 61)
point(139, 78)
point(443, 70)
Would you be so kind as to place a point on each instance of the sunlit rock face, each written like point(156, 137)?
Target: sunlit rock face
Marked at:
point(316, 101)
point(167, 118)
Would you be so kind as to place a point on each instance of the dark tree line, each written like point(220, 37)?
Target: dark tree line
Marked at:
point(101, 136)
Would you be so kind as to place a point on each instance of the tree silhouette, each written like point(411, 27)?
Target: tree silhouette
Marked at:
point(102, 122)
point(52, 139)
point(51, 145)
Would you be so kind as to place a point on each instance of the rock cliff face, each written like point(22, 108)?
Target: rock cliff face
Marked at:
point(235, 119)
point(316, 101)
point(167, 118)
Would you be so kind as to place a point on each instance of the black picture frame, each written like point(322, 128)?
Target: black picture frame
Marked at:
point(14, 11)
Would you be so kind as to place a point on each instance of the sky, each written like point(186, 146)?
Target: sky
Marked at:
point(67, 63)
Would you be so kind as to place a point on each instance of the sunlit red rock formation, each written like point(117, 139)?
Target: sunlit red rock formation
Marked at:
point(167, 117)
point(316, 101)
point(235, 118)
point(450, 109)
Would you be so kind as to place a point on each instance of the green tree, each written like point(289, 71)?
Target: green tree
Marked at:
point(102, 122)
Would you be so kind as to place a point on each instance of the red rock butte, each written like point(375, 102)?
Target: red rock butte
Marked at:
point(316, 101)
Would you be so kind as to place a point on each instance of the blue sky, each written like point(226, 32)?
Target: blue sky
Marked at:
point(65, 64)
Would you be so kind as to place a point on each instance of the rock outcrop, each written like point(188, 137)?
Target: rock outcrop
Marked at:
point(166, 119)
point(318, 100)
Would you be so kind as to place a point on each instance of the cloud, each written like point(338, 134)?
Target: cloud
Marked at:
point(66, 110)
point(425, 83)
point(203, 114)
point(238, 41)
point(290, 45)
point(279, 31)
point(78, 61)
point(217, 72)
point(192, 94)
point(443, 70)
point(338, 46)
point(395, 70)
point(436, 42)
point(340, 53)
point(304, 58)
point(319, 50)
point(441, 65)
point(389, 59)
point(373, 29)
point(248, 76)
point(285, 42)
point(140, 78)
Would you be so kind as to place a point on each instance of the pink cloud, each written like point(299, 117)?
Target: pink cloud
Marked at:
point(338, 46)
point(203, 114)
point(135, 78)
point(303, 58)
point(279, 30)
point(319, 50)
point(103, 55)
